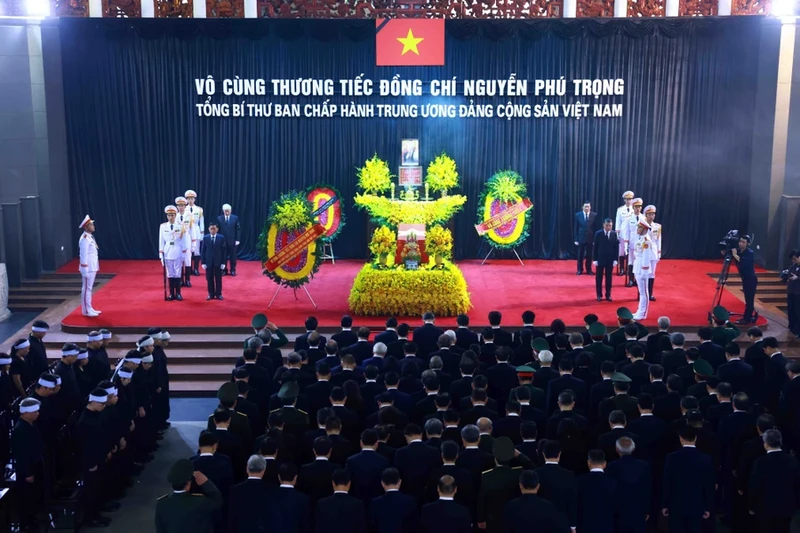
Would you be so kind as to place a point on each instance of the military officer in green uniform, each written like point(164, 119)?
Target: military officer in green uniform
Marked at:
point(182, 510)
point(539, 344)
point(723, 331)
point(599, 350)
point(499, 486)
point(621, 400)
point(625, 317)
point(525, 377)
point(296, 420)
point(260, 323)
point(227, 395)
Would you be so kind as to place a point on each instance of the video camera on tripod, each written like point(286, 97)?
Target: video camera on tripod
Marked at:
point(727, 245)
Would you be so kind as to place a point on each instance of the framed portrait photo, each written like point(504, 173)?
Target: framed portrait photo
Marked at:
point(409, 152)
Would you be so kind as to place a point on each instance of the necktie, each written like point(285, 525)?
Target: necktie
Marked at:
point(227, 220)
point(608, 235)
point(586, 217)
point(213, 239)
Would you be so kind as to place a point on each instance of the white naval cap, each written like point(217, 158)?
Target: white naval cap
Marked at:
point(190, 194)
point(650, 209)
point(637, 201)
point(85, 221)
point(171, 209)
point(181, 200)
point(627, 194)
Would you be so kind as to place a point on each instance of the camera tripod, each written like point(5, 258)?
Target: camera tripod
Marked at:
point(721, 282)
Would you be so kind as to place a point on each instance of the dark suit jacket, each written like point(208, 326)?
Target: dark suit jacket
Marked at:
point(365, 469)
point(340, 513)
point(426, 338)
point(597, 503)
point(360, 350)
point(345, 338)
point(443, 516)
point(608, 441)
point(634, 487)
point(639, 372)
point(652, 441)
point(218, 468)
point(656, 389)
point(606, 250)
point(559, 385)
point(415, 463)
point(502, 337)
point(232, 230)
point(738, 373)
point(466, 494)
point(688, 487)
point(386, 337)
point(314, 480)
point(214, 255)
point(672, 360)
point(558, 486)
point(584, 230)
point(712, 353)
point(668, 407)
point(774, 486)
point(658, 342)
point(465, 338)
point(529, 512)
point(394, 512)
point(251, 507)
point(502, 378)
point(301, 342)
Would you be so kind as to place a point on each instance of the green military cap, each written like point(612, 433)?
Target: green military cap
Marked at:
point(624, 313)
point(228, 392)
point(619, 377)
point(259, 321)
point(597, 329)
point(289, 390)
point(525, 369)
point(181, 472)
point(503, 449)
point(721, 314)
point(540, 344)
point(703, 368)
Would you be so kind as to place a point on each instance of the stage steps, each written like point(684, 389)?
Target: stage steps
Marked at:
point(50, 290)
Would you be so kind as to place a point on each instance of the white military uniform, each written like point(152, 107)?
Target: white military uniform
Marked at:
point(655, 232)
point(173, 247)
point(623, 214)
point(628, 232)
point(198, 227)
point(644, 260)
point(185, 220)
point(89, 265)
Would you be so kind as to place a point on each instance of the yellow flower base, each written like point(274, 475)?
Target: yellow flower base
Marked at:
point(401, 292)
point(395, 212)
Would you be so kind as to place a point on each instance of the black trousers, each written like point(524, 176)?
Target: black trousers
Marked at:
point(214, 279)
point(607, 271)
point(585, 255)
point(775, 524)
point(749, 289)
point(793, 311)
point(232, 257)
point(683, 524)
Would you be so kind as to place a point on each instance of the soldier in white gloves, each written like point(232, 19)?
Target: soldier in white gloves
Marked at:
point(644, 261)
point(198, 228)
point(89, 265)
point(174, 246)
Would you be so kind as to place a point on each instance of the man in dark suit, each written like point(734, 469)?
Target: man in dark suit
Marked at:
point(293, 506)
point(634, 486)
point(775, 373)
point(415, 462)
point(656, 388)
point(251, 502)
point(638, 369)
point(557, 484)
point(229, 227)
point(584, 236)
point(362, 349)
point(445, 515)
point(389, 335)
point(340, 512)
point(713, 353)
point(366, 467)
point(528, 318)
point(564, 382)
point(659, 342)
point(427, 336)
point(501, 336)
point(466, 495)
point(688, 490)
point(464, 337)
point(774, 486)
point(213, 257)
point(607, 442)
point(502, 377)
point(606, 248)
point(393, 512)
point(520, 514)
point(597, 502)
point(673, 359)
point(217, 467)
point(315, 477)
point(346, 336)
point(396, 347)
point(736, 372)
point(301, 342)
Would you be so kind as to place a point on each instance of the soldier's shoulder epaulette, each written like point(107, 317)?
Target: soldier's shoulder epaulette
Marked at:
point(487, 471)
point(196, 494)
point(301, 411)
point(517, 468)
point(242, 414)
point(83, 236)
point(162, 497)
point(276, 410)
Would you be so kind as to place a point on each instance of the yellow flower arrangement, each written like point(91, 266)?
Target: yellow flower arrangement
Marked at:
point(383, 241)
point(402, 292)
point(442, 174)
point(375, 176)
point(291, 212)
point(439, 241)
point(393, 212)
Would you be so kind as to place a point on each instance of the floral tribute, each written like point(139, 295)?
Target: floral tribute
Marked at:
point(326, 203)
point(504, 211)
point(442, 174)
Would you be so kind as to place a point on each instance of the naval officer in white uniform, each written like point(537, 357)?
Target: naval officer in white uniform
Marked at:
point(89, 265)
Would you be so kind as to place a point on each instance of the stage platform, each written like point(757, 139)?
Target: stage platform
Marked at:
point(134, 298)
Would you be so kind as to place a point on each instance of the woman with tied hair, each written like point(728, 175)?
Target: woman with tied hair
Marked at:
point(20, 371)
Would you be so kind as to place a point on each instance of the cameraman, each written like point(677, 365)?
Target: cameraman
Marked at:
point(745, 262)
point(793, 294)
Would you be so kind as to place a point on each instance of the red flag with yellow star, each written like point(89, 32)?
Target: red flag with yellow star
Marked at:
point(409, 42)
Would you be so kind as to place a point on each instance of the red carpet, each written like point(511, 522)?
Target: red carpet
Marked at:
point(135, 296)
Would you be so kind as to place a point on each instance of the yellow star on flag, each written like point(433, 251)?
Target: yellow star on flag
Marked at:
point(410, 43)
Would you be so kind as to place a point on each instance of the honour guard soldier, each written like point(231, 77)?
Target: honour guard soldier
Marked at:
point(498, 486)
point(173, 248)
point(623, 213)
point(89, 265)
point(655, 233)
point(185, 221)
point(644, 260)
point(629, 230)
point(199, 227)
point(183, 510)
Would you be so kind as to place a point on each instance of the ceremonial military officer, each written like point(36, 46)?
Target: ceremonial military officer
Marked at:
point(623, 213)
point(198, 226)
point(629, 232)
point(89, 265)
point(185, 221)
point(655, 234)
point(185, 511)
point(173, 248)
point(498, 486)
point(296, 420)
point(645, 258)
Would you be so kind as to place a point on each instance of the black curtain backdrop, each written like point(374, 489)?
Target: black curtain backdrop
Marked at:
point(683, 144)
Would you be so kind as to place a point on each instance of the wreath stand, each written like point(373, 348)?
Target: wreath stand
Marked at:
point(282, 286)
point(327, 253)
point(492, 250)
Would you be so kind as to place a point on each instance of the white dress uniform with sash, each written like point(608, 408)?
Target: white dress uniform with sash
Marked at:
point(173, 246)
point(185, 220)
point(645, 258)
point(197, 222)
point(89, 265)
point(623, 213)
point(629, 228)
point(655, 231)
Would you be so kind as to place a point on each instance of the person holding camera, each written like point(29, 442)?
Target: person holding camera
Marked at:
point(745, 262)
point(792, 277)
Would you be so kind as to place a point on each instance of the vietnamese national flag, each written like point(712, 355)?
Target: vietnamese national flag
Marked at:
point(409, 42)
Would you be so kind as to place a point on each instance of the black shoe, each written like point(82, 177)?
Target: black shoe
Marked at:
point(220, 297)
point(179, 298)
point(579, 273)
point(608, 299)
point(652, 298)
point(188, 284)
point(195, 272)
point(209, 298)
point(170, 298)
point(599, 299)
point(233, 273)
point(590, 273)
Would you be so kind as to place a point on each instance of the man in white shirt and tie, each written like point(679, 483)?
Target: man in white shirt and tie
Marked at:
point(89, 265)
point(213, 260)
point(230, 228)
point(606, 248)
point(584, 235)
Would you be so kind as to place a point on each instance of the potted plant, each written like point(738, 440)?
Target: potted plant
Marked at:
point(382, 244)
point(439, 244)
